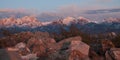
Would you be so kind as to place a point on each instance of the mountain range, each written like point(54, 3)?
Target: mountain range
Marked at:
point(30, 23)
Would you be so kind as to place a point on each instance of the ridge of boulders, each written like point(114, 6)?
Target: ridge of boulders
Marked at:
point(40, 46)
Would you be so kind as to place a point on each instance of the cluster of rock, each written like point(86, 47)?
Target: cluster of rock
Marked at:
point(39, 48)
point(48, 49)
point(42, 47)
point(113, 54)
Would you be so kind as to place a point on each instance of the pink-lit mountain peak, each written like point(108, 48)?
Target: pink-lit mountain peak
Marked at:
point(21, 22)
point(68, 20)
point(31, 21)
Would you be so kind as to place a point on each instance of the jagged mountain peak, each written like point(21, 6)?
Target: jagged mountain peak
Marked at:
point(83, 20)
point(29, 21)
point(68, 20)
point(29, 18)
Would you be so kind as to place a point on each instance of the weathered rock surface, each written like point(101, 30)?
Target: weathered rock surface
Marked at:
point(68, 40)
point(78, 51)
point(71, 49)
point(80, 46)
point(41, 46)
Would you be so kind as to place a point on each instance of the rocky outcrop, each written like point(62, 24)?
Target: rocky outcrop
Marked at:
point(80, 46)
point(40, 46)
point(78, 51)
point(113, 54)
point(106, 45)
point(70, 49)
point(68, 40)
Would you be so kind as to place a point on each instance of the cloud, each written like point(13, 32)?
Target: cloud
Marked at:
point(12, 10)
point(20, 10)
point(103, 0)
point(74, 8)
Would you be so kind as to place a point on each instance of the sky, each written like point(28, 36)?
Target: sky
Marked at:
point(50, 9)
point(52, 5)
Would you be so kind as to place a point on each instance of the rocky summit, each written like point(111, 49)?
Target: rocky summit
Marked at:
point(43, 46)
point(48, 49)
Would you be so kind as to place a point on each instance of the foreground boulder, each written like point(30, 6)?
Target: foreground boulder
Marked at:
point(78, 51)
point(67, 42)
point(71, 49)
point(41, 46)
point(113, 54)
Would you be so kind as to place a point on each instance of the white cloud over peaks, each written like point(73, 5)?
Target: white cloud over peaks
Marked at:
point(71, 9)
point(20, 10)
point(12, 10)
point(104, 0)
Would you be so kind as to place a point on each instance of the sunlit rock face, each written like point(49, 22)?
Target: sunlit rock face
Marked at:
point(68, 40)
point(78, 51)
point(80, 46)
point(41, 45)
